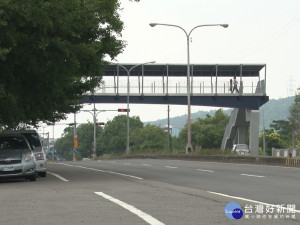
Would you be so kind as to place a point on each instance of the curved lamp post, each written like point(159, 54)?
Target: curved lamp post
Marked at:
point(128, 74)
point(189, 146)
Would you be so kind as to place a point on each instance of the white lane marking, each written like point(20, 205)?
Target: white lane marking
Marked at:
point(148, 218)
point(210, 171)
point(58, 176)
point(146, 165)
point(107, 171)
point(253, 201)
point(127, 163)
point(250, 175)
point(103, 171)
point(172, 167)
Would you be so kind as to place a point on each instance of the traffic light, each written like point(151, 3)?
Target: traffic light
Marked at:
point(100, 123)
point(123, 110)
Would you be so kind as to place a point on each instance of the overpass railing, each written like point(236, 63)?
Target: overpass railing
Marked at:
point(156, 86)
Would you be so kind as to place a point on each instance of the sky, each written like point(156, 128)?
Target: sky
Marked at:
point(259, 32)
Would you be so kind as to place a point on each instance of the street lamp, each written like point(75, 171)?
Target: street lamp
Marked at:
point(189, 146)
point(128, 73)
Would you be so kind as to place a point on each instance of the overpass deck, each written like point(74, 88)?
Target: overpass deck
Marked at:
point(167, 84)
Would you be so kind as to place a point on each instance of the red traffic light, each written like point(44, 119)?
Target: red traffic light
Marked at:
point(123, 110)
point(100, 123)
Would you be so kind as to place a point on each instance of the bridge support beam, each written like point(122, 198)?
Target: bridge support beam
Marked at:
point(253, 117)
point(236, 130)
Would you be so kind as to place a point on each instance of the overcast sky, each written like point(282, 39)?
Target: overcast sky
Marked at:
point(259, 32)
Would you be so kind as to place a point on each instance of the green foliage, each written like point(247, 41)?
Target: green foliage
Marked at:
point(51, 53)
point(114, 136)
point(273, 140)
point(294, 118)
point(64, 145)
point(283, 128)
point(207, 132)
point(149, 138)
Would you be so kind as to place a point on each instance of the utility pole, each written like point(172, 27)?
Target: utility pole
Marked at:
point(75, 137)
point(95, 140)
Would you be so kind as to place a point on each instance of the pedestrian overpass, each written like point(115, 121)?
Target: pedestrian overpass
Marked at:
point(209, 86)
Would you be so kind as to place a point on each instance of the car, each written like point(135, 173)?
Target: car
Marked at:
point(16, 157)
point(241, 149)
point(35, 143)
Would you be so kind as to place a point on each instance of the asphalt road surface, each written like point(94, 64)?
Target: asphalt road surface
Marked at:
point(150, 191)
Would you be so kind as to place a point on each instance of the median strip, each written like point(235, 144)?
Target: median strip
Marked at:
point(148, 218)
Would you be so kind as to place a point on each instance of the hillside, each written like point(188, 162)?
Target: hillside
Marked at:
point(273, 110)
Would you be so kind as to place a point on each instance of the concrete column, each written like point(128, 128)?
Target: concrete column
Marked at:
point(242, 131)
point(253, 117)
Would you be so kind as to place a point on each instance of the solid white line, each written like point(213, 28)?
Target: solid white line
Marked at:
point(58, 176)
point(210, 171)
point(149, 219)
point(103, 171)
point(250, 175)
point(172, 167)
point(249, 200)
point(146, 165)
point(106, 171)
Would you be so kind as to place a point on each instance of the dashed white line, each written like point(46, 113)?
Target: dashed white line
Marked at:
point(146, 165)
point(250, 175)
point(148, 218)
point(58, 176)
point(210, 171)
point(253, 201)
point(127, 163)
point(172, 167)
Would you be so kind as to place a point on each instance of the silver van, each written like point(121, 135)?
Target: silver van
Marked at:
point(16, 157)
point(34, 141)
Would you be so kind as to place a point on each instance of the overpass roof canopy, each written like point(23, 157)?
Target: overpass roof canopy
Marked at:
point(178, 70)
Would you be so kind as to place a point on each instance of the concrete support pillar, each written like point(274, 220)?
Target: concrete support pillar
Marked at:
point(241, 135)
point(253, 117)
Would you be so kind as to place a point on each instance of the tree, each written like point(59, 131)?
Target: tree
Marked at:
point(149, 137)
point(64, 145)
point(207, 132)
point(114, 135)
point(294, 119)
point(86, 139)
point(273, 140)
point(51, 53)
point(283, 128)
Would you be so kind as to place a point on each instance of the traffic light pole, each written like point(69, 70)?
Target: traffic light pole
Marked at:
point(95, 127)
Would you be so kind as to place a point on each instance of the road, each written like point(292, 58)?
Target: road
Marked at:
point(150, 191)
